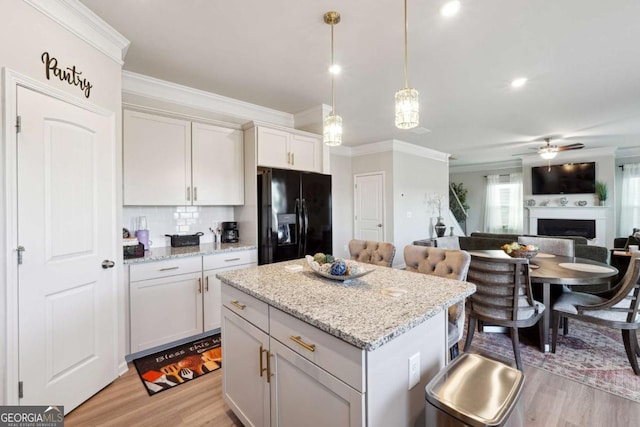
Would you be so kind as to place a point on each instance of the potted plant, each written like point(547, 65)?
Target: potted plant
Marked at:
point(601, 192)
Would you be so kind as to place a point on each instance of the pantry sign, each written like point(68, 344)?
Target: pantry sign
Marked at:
point(70, 75)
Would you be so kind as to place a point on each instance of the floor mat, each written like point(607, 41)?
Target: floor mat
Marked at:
point(169, 368)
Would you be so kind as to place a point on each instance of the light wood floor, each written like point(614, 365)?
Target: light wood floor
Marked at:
point(549, 400)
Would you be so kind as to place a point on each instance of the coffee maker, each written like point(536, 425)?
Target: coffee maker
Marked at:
point(230, 232)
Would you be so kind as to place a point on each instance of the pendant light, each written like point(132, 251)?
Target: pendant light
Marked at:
point(332, 131)
point(407, 103)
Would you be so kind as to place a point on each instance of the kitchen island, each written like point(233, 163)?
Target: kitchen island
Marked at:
point(299, 349)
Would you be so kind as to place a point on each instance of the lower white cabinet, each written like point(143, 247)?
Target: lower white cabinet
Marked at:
point(267, 383)
point(178, 298)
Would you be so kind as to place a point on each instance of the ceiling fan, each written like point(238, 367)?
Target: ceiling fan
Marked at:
point(548, 151)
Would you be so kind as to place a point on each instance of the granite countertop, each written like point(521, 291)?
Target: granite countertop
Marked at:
point(357, 312)
point(162, 253)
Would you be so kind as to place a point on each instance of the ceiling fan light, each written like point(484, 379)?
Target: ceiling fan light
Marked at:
point(548, 153)
point(519, 82)
point(407, 109)
point(450, 8)
point(332, 131)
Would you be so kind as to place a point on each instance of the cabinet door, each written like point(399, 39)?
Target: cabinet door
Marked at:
point(165, 309)
point(304, 394)
point(156, 159)
point(273, 148)
point(212, 299)
point(217, 165)
point(244, 383)
point(306, 153)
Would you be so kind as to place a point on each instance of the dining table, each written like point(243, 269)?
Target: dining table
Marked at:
point(548, 270)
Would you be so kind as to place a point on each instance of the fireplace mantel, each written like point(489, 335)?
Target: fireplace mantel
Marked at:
point(597, 213)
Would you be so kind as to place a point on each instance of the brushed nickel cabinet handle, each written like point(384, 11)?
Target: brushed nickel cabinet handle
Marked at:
point(237, 304)
point(293, 159)
point(169, 268)
point(195, 194)
point(262, 350)
point(232, 259)
point(199, 285)
point(298, 340)
point(269, 374)
point(206, 284)
point(188, 194)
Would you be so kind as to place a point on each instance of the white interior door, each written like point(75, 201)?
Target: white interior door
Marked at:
point(369, 207)
point(66, 224)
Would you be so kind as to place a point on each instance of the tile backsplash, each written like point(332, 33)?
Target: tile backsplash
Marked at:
point(163, 220)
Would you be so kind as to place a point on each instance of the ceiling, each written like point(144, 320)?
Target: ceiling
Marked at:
point(581, 58)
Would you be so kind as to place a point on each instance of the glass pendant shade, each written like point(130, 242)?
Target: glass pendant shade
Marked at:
point(407, 109)
point(549, 153)
point(332, 132)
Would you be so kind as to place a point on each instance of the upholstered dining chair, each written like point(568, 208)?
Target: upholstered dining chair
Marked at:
point(620, 311)
point(451, 264)
point(370, 252)
point(550, 245)
point(503, 297)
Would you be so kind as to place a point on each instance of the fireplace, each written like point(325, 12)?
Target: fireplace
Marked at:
point(573, 215)
point(567, 227)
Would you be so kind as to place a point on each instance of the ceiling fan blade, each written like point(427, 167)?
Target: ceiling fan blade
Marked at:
point(575, 146)
point(525, 154)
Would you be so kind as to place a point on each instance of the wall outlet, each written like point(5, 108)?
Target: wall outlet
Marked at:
point(414, 370)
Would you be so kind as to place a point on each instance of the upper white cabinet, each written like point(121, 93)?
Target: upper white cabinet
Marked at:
point(289, 149)
point(169, 161)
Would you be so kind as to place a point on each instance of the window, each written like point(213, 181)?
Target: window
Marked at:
point(630, 199)
point(503, 210)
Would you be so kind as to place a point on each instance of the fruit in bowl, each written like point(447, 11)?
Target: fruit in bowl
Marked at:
point(516, 250)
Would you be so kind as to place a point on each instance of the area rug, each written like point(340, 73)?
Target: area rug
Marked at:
point(589, 354)
point(165, 369)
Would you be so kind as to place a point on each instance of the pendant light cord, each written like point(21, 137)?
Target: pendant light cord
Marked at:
point(333, 95)
point(406, 54)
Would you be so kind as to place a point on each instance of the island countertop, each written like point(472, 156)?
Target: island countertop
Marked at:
point(358, 312)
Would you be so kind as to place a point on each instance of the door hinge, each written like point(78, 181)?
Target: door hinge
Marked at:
point(18, 124)
point(20, 390)
point(20, 250)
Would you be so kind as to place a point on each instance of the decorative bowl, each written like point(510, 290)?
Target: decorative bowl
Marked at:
point(522, 253)
point(316, 269)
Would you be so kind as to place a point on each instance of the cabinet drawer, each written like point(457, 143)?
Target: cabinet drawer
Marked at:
point(229, 259)
point(246, 306)
point(330, 353)
point(170, 267)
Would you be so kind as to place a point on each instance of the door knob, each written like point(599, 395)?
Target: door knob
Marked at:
point(379, 225)
point(107, 264)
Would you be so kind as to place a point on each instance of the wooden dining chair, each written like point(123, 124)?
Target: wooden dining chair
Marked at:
point(620, 311)
point(448, 263)
point(503, 297)
point(371, 252)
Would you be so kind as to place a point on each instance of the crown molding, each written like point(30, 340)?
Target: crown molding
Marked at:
point(395, 145)
point(483, 167)
point(312, 118)
point(82, 22)
point(162, 90)
point(622, 153)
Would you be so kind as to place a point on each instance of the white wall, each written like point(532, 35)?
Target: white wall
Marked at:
point(414, 178)
point(341, 204)
point(26, 34)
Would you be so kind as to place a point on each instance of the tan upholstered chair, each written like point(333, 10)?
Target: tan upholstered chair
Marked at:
point(550, 245)
point(370, 252)
point(620, 311)
point(503, 297)
point(452, 264)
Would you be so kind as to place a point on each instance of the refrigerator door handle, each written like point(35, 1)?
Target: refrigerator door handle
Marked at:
point(305, 216)
point(298, 228)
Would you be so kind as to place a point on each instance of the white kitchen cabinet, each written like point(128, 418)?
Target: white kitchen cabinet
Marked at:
point(191, 163)
point(156, 159)
point(289, 149)
point(217, 165)
point(165, 301)
point(178, 298)
point(302, 389)
point(212, 265)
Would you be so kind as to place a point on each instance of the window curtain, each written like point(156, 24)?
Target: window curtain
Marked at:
point(503, 209)
point(630, 199)
point(492, 208)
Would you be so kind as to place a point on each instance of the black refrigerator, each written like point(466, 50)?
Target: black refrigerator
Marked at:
point(294, 214)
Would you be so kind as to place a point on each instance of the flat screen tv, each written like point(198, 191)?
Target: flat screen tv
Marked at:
point(570, 178)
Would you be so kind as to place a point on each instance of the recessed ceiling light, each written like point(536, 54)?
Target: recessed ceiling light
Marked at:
point(335, 69)
point(519, 82)
point(450, 8)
